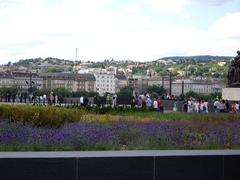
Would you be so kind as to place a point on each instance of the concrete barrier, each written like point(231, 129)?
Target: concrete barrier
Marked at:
point(121, 165)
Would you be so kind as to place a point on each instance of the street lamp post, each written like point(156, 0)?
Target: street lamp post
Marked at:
point(182, 88)
point(30, 86)
point(170, 83)
point(30, 83)
point(163, 82)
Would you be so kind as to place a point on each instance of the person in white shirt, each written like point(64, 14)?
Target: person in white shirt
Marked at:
point(40, 100)
point(155, 105)
point(114, 101)
point(237, 107)
point(44, 99)
point(175, 106)
point(56, 99)
point(216, 105)
point(81, 100)
point(201, 106)
point(190, 105)
point(206, 106)
point(196, 106)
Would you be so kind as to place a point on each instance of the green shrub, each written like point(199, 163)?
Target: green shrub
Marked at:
point(41, 115)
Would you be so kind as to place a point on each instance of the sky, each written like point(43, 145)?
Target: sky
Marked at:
point(139, 30)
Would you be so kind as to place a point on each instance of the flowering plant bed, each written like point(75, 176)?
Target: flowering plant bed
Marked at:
point(85, 131)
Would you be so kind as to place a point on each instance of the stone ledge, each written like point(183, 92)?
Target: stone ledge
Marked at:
point(83, 154)
point(231, 94)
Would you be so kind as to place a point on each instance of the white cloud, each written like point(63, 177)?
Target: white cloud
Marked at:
point(212, 2)
point(133, 8)
point(167, 6)
point(34, 31)
point(227, 26)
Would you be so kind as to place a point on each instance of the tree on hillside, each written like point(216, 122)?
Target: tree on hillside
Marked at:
point(213, 96)
point(84, 93)
point(156, 91)
point(40, 92)
point(64, 92)
point(192, 94)
point(125, 92)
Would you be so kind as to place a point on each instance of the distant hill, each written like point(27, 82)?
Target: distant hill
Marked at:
point(202, 58)
point(178, 59)
point(43, 62)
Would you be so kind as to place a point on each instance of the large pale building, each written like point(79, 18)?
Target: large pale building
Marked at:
point(159, 81)
point(121, 80)
point(21, 80)
point(138, 83)
point(71, 81)
point(105, 83)
point(198, 86)
point(24, 80)
point(6, 80)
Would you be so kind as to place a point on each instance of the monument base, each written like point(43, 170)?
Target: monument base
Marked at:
point(234, 85)
point(231, 94)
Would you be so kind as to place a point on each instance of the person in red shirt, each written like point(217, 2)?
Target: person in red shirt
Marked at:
point(234, 108)
point(160, 104)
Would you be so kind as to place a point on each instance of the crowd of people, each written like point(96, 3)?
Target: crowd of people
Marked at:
point(193, 105)
point(52, 98)
point(143, 101)
point(146, 102)
point(219, 106)
point(190, 105)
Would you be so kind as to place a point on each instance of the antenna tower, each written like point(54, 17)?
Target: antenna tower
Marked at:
point(76, 54)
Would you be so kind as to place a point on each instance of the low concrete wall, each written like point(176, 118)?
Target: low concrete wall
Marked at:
point(121, 165)
point(232, 94)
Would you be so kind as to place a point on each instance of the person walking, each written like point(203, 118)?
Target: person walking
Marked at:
point(234, 108)
point(155, 105)
point(205, 106)
point(44, 99)
point(81, 100)
point(148, 102)
point(237, 107)
point(216, 105)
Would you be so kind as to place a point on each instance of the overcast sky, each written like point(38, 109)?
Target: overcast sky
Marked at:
point(141, 30)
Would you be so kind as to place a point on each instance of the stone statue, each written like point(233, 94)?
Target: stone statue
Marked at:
point(234, 72)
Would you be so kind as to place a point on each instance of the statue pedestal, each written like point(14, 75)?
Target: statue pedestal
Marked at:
point(231, 93)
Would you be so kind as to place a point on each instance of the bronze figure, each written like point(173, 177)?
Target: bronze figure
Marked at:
point(234, 72)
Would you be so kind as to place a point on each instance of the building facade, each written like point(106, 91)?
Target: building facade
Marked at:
point(121, 81)
point(21, 80)
point(72, 82)
point(139, 84)
point(6, 80)
point(105, 83)
point(25, 80)
point(198, 86)
point(159, 81)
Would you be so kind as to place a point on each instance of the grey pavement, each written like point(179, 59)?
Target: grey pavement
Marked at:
point(80, 154)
